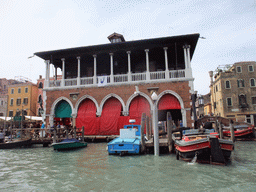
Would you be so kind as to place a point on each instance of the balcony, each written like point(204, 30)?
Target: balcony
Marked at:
point(159, 76)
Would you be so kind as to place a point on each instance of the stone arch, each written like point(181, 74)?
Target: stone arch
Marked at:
point(82, 99)
point(57, 101)
point(172, 93)
point(139, 94)
point(109, 96)
point(183, 111)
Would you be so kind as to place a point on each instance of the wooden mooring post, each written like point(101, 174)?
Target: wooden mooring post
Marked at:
point(54, 136)
point(220, 130)
point(150, 129)
point(11, 132)
point(232, 132)
point(75, 132)
point(83, 133)
point(169, 131)
point(143, 119)
point(147, 127)
point(66, 128)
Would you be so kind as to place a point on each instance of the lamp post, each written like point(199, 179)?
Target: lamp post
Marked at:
point(155, 124)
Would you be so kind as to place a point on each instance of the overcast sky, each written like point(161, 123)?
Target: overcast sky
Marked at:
point(30, 26)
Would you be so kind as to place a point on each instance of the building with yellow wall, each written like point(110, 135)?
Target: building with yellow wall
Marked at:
point(22, 96)
point(233, 91)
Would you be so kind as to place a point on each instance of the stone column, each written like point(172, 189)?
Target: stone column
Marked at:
point(56, 73)
point(147, 65)
point(95, 69)
point(51, 120)
point(74, 115)
point(125, 113)
point(129, 66)
point(111, 68)
point(47, 67)
point(184, 117)
point(188, 70)
point(188, 56)
point(78, 71)
point(185, 56)
point(166, 63)
point(63, 72)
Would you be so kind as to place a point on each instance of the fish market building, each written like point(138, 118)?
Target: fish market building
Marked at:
point(103, 86)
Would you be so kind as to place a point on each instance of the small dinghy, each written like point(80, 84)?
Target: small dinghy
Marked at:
point(68, 144)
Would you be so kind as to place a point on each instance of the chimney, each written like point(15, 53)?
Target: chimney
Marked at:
point(116, 38)
point(211, 76)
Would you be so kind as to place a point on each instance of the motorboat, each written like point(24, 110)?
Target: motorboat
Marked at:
point(205, 146)
point(16, 143)
point(242, 131)
point(69, 144)
point(129, 141)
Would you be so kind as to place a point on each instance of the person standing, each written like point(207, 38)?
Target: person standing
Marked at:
point(42, 132)
point(181, 123)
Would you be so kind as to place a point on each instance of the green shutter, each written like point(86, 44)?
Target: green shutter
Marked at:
point(63, 110)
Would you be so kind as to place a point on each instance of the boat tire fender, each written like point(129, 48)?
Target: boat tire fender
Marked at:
point(123, 153)
point(177, 155)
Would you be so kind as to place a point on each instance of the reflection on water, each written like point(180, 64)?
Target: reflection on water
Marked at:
point(92, 169)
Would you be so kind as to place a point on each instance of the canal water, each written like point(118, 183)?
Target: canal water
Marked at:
point(92, 169)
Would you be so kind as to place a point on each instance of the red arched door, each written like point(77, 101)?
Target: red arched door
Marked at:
point(86, 116)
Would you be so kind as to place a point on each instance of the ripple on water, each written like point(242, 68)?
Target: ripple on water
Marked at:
point(92, 169)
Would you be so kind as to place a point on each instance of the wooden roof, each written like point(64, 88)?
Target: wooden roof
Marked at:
point(55, 55)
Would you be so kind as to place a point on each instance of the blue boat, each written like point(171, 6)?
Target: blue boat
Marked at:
point(129, 141)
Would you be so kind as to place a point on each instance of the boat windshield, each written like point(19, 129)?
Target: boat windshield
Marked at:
point(132, 127)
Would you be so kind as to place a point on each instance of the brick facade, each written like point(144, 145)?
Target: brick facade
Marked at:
point(125, 92)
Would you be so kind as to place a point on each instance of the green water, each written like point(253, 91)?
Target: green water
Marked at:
point(92, 169)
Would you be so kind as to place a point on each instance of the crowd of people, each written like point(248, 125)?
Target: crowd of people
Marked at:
point(41, 131)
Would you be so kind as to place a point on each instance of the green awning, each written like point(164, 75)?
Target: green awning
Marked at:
point(63, 110)
point(18, 118)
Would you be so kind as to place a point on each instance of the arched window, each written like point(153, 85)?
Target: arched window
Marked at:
point(228, 86)
point(40, 101)
point(242, 101)
point(40, 85)
point(252, 82)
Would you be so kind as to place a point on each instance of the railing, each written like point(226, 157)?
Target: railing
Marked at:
point(43, 135)
point(157, 75)
point(177, 74)
point(55, 83)
point(139, 77)
point(120, 78)
point(123, 78)
point(86, 81)
point(70, 82)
